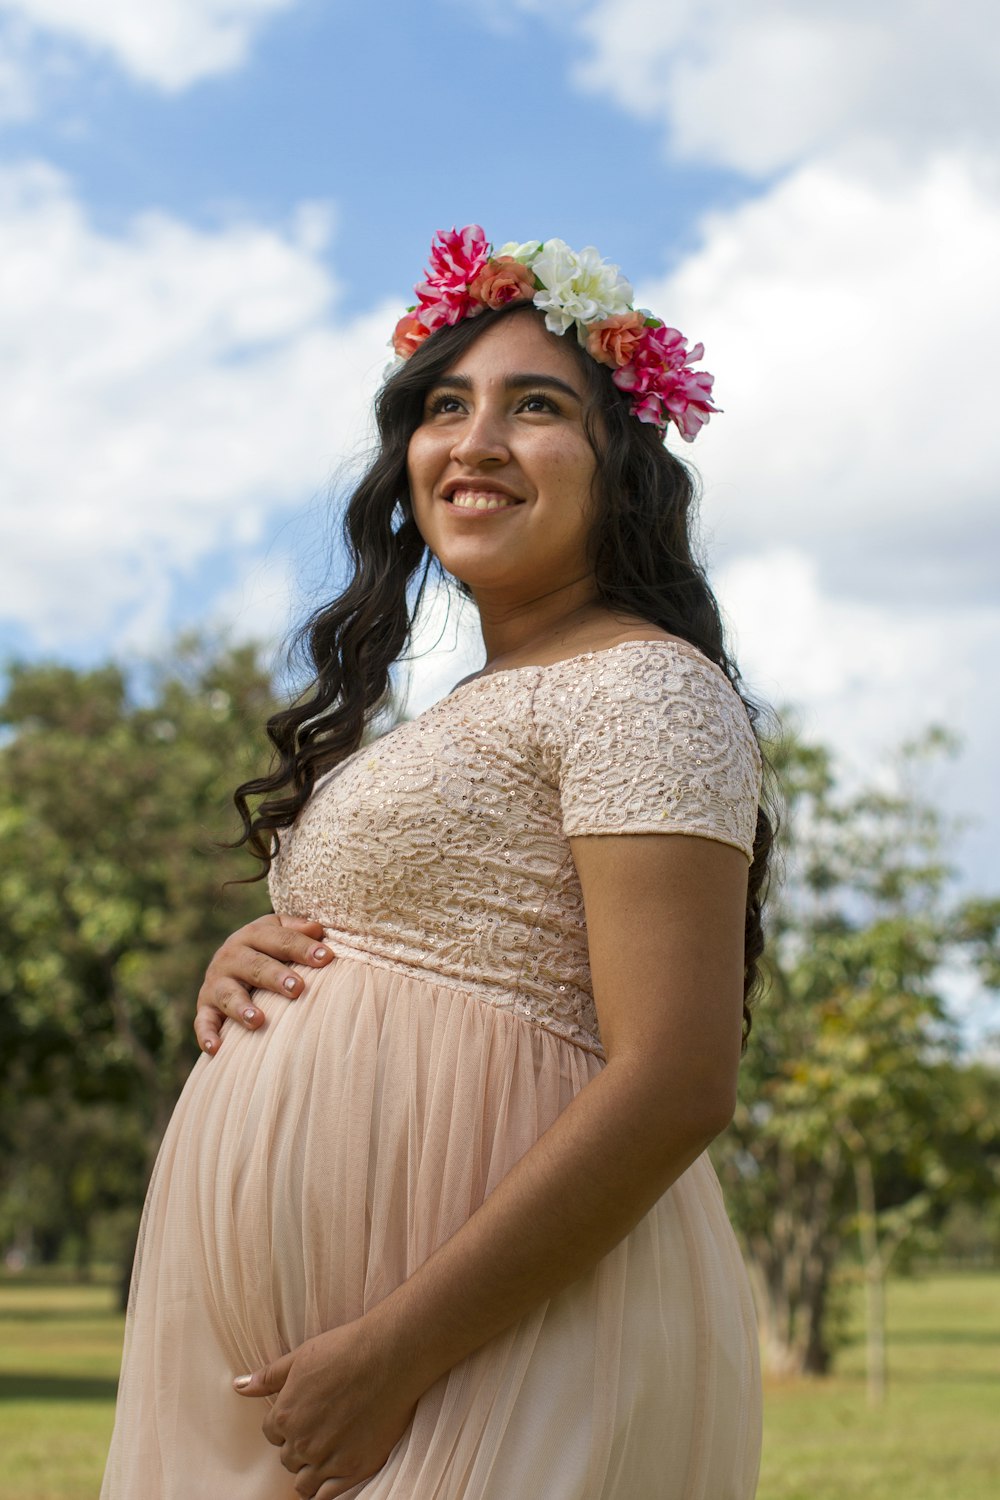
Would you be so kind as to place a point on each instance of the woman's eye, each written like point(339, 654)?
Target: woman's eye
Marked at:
point(443, 403)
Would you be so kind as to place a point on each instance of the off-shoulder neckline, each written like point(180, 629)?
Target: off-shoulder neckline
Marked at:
point(684, 647)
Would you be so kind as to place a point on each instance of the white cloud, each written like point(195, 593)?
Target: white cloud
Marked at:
point(262, 605)
point(167, 43)
point(852, 663)
point(851, 485)
point(760, 87)
point(852, 326)
point(447, 645)
point(864, 676)
point(165, 392)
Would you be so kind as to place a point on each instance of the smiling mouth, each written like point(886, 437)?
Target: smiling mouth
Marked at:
point(481, 500)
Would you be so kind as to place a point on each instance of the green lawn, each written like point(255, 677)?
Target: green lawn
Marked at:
point(59, 1349)
point(938, 1437)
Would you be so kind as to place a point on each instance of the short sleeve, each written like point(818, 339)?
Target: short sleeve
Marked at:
point(649, 737)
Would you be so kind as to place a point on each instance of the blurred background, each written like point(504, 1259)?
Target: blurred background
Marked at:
point(212, 212)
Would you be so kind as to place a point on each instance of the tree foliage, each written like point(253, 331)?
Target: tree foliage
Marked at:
point(851, 1123)
point(858, 1125)
point(113, 795)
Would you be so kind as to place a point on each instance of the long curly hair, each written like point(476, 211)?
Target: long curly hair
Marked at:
point(644, 564)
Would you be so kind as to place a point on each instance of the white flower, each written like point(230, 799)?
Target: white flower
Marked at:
point(578, 287)
point(524, 253)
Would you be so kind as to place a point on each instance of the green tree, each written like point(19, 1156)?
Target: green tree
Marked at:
point(847, 1126)
point(113, 794)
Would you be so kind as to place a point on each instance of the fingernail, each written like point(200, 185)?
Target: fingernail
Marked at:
point(209, 1046)
point(320, 953)
point(242, 1381)
point(249, 1014)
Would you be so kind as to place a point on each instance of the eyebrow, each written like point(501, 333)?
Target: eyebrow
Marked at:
point(512, 383)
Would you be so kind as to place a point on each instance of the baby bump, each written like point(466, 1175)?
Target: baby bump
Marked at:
point(312, 1166)
point(262, 1182)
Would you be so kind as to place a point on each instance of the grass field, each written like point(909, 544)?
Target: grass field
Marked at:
point(938, 1437)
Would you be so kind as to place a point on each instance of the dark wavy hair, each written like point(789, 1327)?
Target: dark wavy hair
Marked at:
point(643, 559)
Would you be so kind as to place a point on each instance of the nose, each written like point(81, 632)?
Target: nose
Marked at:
point(481, 440)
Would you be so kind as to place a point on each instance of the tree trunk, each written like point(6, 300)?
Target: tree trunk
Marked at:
point(791, 1326)
point(790, 1267)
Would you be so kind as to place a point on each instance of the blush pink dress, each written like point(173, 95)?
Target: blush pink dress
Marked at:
point(311, 1167)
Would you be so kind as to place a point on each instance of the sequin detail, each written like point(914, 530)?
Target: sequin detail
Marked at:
point(443, 848)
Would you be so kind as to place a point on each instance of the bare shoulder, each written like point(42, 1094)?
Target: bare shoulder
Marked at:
point(606, 630)
point(641, 632)
point(600, 633)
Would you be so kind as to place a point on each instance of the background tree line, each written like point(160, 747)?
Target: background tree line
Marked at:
point(862, 1138)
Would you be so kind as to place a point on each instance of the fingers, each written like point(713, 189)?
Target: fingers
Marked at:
point(256, 957)
point(265, 1382)
point(208, 1028)
point(297, 942)
point(315, 1483)
point(329, 1488)
point(233, 1004)
point(301, 924)
point(259, 971)
point(259, 953)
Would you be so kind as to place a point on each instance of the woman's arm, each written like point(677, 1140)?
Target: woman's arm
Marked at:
point(665, 920)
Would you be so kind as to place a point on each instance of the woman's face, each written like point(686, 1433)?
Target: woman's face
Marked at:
point(500, 468)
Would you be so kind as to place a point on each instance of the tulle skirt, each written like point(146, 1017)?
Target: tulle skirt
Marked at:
point(311, 1167)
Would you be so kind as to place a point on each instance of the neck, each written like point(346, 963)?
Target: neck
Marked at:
point(512, 628)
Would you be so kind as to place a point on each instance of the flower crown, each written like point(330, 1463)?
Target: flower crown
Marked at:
point(573, 289)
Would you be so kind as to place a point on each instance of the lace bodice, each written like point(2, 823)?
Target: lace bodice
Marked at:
point(443, 847)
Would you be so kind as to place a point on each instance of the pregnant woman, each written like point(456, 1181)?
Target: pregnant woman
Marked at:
point(443, 1226)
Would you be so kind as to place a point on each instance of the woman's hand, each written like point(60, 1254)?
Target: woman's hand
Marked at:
point(343, 1403)
point(255, 958)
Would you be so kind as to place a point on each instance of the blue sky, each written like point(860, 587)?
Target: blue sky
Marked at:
point(408, 117)
point(213, 210)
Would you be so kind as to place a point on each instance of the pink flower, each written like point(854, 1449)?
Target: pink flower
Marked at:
point(503, 280)
point(662, 348)
point(688, 401)
point(408, 335)
point(663, 386)
point(457, 257)
point(615, 340)
point(439, 309)
point(648, 409)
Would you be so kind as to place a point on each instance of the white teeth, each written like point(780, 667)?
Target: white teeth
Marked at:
point(481, 500)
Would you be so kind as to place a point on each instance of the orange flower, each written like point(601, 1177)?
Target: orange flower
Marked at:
point(408, 335)
point(503, 280)
point(614, 340)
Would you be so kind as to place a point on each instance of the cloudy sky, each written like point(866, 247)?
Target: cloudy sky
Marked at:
point(212, 211)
